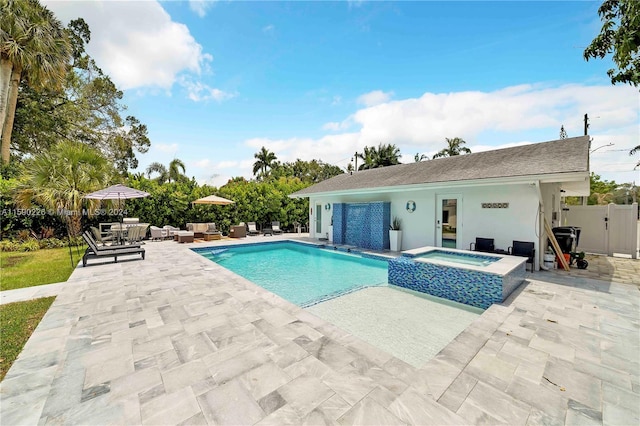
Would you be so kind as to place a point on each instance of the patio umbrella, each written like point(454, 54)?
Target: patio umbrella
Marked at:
point(117, 192)
point(213, 199)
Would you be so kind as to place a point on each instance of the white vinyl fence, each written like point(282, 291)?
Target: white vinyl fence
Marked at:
point(611, 229)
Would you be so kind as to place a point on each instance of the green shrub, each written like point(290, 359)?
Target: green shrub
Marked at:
point(30, 245)
point(9, 245)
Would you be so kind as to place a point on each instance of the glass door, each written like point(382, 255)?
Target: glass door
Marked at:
point(318, 220)
point(447, 220)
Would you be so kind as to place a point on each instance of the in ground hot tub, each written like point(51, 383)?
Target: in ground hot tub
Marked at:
point(462, 276)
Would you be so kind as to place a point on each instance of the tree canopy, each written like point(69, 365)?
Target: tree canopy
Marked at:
point(34, 51)
point(88, 109)
point(620, 36)
point(382, 156)
point(454, 147)
point(265, 160)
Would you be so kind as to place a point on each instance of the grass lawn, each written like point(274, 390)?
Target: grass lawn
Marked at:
point(17, 322)
point(27, 269)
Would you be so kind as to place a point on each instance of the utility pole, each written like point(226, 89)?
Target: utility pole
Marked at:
point(586, 124)
point(356, 159)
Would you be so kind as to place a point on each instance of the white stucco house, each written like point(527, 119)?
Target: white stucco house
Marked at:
point(501, 194)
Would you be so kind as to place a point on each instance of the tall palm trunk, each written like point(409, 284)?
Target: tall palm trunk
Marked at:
point(12, 102)
point(5, 81)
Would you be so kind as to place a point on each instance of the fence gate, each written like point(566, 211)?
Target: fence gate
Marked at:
point(611, 229)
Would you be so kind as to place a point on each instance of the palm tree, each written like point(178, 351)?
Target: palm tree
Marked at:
point(174, 170)
point(454, 148)
point(59, 179)
point(634, 151)
point(33, 47)
point(265, 159)
point(159, 168)
point(383, 156)
point(420, 157)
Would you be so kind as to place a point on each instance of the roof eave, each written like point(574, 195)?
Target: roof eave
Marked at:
point(511, 180)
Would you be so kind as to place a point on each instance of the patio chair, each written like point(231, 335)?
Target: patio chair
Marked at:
point(158, 233)
point(239, 231)
point(133, 234)
point(275, 227)
point(523, 249)
point(483, 244)
point(171, 230)
point(212, 232)
point(93, 251)
point(251, 228)
point(98, 236)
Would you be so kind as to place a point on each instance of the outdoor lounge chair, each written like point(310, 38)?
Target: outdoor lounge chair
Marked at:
point(94, 252)
point(158, 233)
point(275, 227)
point(212, 232)
point(171, 230)
point(98, 236)
point(251, 228)
point(239, 231)
point(483, 244)
point(524, 249)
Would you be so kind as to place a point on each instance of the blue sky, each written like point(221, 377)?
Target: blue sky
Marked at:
point(215, 81)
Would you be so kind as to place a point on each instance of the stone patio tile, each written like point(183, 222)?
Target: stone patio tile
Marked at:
point(263, 380)
point(413, 408)
point(616, 415)
point(304, 330)
point(241, 335)
point(619, 378)
point(366, 350)
point(455, 394)
point(401, 369)
point(333, 408)
point(191, 347)
point(184, 375)
point(23, 383)
point(578, 386)
point(205, 322)
point(369, 412)
point(579, 414)
point(553, 402)
point(25, 408)
point(230, 404)
point(271, 402)
point(382, 396)
point(148, 348)
point(170, 408)
point(108, 370)
point(309, 366)
point(286, 415)
point(288, 354)
point(330, 352)
point(498, 404)
point(616, 396)
point(196, 420)
point(557, 350)
point(304, 393)
point(537, 417)
point(492, 370)
point(277, 317)
point(133, 384)
point(386, 380)
point(351, 388)
point(106, 353)
point(230, 368)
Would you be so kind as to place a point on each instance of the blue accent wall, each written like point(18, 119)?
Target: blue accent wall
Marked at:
point(475, 288)
point(364, 225)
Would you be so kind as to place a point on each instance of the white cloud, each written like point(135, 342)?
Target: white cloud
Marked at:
point(374, 98)
point(136, 43)
point(198, 91)
point(269, 29)
point(166, 148)
point(337, 100)
point(486, 120)
point(202, 164)
point(200, 7)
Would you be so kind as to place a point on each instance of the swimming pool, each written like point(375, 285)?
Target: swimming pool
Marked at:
point(462, 258)
point(301, 273)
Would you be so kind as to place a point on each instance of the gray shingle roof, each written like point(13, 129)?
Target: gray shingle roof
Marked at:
point(553, 157)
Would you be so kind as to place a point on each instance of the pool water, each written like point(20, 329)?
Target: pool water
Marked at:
point(462, 258)
point(299, 273)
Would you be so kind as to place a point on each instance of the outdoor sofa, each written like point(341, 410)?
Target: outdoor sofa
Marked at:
point(94, 251)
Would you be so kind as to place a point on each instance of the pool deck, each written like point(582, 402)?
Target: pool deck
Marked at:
point(177, 339)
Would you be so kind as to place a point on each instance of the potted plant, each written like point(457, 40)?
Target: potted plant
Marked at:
point(395, 235)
